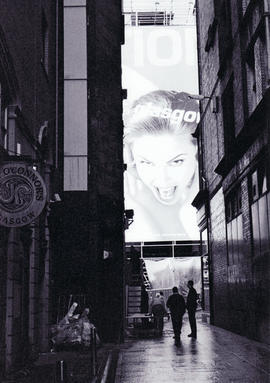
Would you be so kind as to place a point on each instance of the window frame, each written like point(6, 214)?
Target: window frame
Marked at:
point(234, 224)
point(44, 42)
point(4, 102)
point(259, 176)
point(227, 100)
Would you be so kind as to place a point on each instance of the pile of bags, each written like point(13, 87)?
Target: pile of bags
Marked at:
point(73, 329)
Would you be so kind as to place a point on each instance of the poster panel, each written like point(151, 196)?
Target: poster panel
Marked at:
point(160, 75)
point(170, 272)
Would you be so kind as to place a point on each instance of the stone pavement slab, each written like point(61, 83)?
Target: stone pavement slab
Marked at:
point(215, 356)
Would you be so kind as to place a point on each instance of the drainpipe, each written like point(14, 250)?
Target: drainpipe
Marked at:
point(56, 82)
point(267, 35)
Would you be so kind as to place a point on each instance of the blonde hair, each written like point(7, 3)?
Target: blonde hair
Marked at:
point(151, 114)
point(143, 120)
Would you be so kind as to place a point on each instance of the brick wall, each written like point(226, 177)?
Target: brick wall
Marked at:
point(106, 153)
point(95, 218)
point(105, 76)
point(236, 289)
point(3, 271)
point(209, 86)
point(21, 24)
point(218, 266)
point(23, 308)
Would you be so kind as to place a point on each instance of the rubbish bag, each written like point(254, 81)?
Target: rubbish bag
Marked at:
point(73, 329)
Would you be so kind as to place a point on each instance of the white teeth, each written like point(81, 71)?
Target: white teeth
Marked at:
point(166, 193)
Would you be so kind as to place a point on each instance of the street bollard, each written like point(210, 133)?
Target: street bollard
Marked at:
point(93, 352)
point(61, 372)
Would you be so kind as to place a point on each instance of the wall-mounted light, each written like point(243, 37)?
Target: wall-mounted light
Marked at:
point(198, 97)
point(56, 198)
point(128, 217)
point(214, 101)
point(124, 93)
point(215, 104)
point(43, 131)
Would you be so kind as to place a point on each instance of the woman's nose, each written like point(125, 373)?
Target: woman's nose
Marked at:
point(161, 175)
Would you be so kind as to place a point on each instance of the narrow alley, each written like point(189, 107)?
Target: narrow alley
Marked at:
point(216, 356)
point(134, 166)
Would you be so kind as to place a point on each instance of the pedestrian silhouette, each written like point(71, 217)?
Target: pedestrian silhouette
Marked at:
point(158, 310)
point(177, 307)
point(191, 308)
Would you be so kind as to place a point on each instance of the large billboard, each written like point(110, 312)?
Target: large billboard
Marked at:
point(160, 74)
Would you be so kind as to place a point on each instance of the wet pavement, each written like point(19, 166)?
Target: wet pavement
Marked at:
point(216, 355)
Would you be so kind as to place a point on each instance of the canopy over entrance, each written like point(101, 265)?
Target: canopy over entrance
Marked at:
point(165, 273)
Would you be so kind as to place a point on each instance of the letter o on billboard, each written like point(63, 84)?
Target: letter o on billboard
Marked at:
point(190, 116)
point(153, 43)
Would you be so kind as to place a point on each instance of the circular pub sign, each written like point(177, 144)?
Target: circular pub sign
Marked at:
point(22, 194)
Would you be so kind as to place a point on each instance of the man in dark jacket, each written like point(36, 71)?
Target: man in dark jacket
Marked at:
point(191, 308)
point(176, 304)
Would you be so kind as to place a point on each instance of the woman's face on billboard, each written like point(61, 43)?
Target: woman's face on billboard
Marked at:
point(166, 164)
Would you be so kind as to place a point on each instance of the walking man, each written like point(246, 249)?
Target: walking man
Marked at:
point(158, 310)
point(176, 304)
point(191, 308)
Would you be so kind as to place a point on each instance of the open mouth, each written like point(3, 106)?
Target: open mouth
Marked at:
point(166, 194)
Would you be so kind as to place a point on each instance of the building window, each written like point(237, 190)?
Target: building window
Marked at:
point(255, 68)
point(19, 149)
point(251, 82)
point(245, 4)
point(228, 116)
point(211, 35)
point(260, 209)
point(223, 11)
point(204, 242)
point(234, 223)
point(3, 118)
point(45, 43)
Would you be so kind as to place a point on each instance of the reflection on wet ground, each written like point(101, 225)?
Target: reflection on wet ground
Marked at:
point(216, 355)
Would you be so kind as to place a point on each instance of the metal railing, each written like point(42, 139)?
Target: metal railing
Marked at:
point(64, 372)
point(174, 12)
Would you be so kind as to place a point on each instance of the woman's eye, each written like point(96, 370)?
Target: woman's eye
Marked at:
point(143, 162)
point(177, 162)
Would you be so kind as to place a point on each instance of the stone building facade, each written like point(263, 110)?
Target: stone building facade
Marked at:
point(87, 225)
point(61, 115)
point(233, 135)
point(27, 136)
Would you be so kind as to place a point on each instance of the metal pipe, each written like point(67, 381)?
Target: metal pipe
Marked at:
point(62, 371)
point(267, 37)
point(56, 81)
point(91, 349)
point(94, 353)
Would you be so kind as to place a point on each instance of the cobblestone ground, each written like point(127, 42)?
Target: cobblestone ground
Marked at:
point(216, 355)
